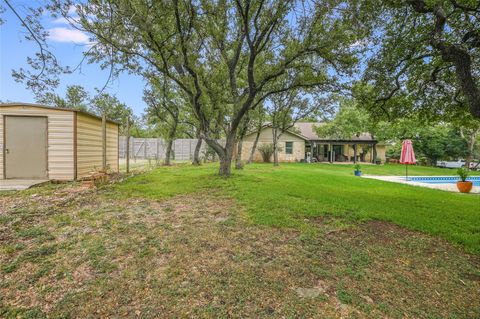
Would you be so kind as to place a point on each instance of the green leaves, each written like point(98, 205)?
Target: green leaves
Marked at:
point(423, 63)
point(349, 121)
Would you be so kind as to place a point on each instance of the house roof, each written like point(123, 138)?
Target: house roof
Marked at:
point(308, 129)
point(56, 108)
point(290, 131)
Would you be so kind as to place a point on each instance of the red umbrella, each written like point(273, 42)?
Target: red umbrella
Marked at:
point(408, 155)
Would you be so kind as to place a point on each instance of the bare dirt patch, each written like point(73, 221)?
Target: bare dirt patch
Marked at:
point(80, 254)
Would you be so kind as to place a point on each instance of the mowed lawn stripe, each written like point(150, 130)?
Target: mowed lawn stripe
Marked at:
point(287, 196)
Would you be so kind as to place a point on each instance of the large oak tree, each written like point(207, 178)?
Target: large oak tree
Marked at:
point(226, 56)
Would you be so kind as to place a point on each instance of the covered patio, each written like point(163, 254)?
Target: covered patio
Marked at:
point(343, 151)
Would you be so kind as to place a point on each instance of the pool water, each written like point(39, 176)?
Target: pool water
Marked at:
point(443, 179)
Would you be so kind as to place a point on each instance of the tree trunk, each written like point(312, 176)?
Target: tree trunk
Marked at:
point(225, 167)
point(168, 153)
point(171, 139)
point(225, 154)
point(196, 153)
point(275, 146)
point(254, 146)
point(471, 141)
point(471, 147)
point(275, 156)
point(226, 158)
point(226, 164)
point(238, 157)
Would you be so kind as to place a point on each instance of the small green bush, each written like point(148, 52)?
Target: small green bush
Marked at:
point(266, 150)
point(463, 173)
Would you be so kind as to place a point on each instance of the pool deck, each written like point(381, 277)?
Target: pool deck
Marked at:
point(401, 179)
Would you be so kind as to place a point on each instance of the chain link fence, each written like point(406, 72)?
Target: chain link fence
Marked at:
point(155, 148)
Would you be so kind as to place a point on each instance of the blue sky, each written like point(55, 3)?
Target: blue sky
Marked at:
point(68, 45)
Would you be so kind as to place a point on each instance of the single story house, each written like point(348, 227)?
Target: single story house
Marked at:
point(302, 143)
point(47, 143)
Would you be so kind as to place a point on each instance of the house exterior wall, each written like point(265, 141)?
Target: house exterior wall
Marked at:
point(89, 145)
point(266, 138)
point(60, 139)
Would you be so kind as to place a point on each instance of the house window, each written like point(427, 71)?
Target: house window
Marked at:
point(288, 147)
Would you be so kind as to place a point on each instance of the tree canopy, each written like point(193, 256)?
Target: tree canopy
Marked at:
point(225, 56)
point(424, 58)
point(350, 120)
point(409, 58)
point(76, 97)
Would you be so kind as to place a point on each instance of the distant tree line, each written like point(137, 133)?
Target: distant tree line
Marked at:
point(433, 140)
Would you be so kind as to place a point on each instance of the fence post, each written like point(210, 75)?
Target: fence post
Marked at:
point(158, 150)
point(104, 142)
point(144, 148)
point(190, 149)
point(127, 149)
point(133, 150)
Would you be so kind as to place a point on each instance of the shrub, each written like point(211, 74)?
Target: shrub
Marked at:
point(266, 150)
point(423, 161)
point(357, 167)
point(463, 173)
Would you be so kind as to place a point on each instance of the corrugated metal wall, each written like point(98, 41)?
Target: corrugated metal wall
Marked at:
point(89, 145)
point(60, 138)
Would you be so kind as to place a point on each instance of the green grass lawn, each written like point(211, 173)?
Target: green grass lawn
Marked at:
point(287, 195)
point(296, 241)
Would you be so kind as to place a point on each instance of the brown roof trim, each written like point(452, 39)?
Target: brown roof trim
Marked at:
point(343, 141)
point(326, 140)
point(56, 108)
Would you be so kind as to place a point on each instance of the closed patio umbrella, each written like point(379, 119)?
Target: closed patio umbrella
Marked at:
point(408, 156)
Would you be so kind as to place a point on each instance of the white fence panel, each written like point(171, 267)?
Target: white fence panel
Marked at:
point(155, 148)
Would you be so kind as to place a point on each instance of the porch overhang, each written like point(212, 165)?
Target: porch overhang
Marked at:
point(343, 142)
point(354, 144)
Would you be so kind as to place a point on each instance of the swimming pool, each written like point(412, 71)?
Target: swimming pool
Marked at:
point(442, 179)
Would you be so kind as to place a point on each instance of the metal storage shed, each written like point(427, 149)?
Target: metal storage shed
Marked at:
point(42, 142)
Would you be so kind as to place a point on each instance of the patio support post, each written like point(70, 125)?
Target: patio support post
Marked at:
point(330, 147)
point(355, 153)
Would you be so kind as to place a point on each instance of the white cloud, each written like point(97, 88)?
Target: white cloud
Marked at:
point(60, 20)
point(62, 34)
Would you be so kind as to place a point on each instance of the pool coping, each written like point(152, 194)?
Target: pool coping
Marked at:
point(441, 186)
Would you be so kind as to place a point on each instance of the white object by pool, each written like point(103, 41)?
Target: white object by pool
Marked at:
point(451, 164)
point(446, 183)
